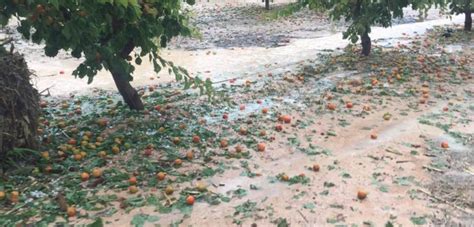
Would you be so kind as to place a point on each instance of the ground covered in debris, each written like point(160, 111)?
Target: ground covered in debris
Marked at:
point(347, 140)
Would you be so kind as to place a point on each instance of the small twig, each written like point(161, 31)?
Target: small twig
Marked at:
point(306, 220)
point(393, 152)
point(47, 89)
point(16, 208)
point(172, 94)
point(7, 41)
point(429, 155)
point(64, 133)
point(402, 161)
point(373, 157)
point(444, 201)
point(168, 199)
point(433, 169)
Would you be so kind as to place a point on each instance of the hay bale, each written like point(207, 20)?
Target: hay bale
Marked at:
point(19, 105)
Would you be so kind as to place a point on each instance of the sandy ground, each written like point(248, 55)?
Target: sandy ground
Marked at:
point(395, 168)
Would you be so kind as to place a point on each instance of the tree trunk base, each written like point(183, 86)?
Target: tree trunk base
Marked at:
point(366, 44)
point(468, 21)
point(129, 94)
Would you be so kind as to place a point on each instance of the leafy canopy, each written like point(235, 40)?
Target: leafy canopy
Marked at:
point(103, 32)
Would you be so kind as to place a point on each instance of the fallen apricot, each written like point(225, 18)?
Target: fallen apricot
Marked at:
point(96, 172)
point(115, 149)
point(445, 145)
point(84, 176)
point(196, 139)
point(169, 190)
point(279, 128)
point(132, 189)
point(286, 119)
point(148, 152)
point(361, 194)
point(331, 106)
point(349, 105)
point(102, 122)
point(14, 196)
point(285, 177)
point(43, 104)
point(77, 157)
point(265, 110)
point(45, 154)
point(224, 143)
point(374, 82)
point(72, 142)
point(261, 147)
point(71, 211)
point(373, 136)
point(200, 186)
point(190, 155)
point(238, 148)
point(48, 169)
point(102, 154)
point(132, 180)
point(178, 162)
point(316, 167)
point(161, 176)
point(190, 200)
point(176, 140)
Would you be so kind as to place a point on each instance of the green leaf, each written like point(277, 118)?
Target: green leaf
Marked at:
point(55, 3)
point(418, 220)
point(309, 206)
point(97, 223)
point(140, 219)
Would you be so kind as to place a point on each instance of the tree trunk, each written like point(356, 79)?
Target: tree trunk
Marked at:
point(366, 44)
point(129, 94)
point(468, 21)
point(267, 4)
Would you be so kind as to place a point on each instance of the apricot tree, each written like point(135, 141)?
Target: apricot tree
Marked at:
point(456, 7)
point(362, 15)
point(114, 35)
point(463, 6)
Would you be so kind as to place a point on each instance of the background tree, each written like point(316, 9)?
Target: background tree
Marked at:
point(267, 4)
point(456, 7)
point(105, 33)
point(362, 14)
point(463, 6)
